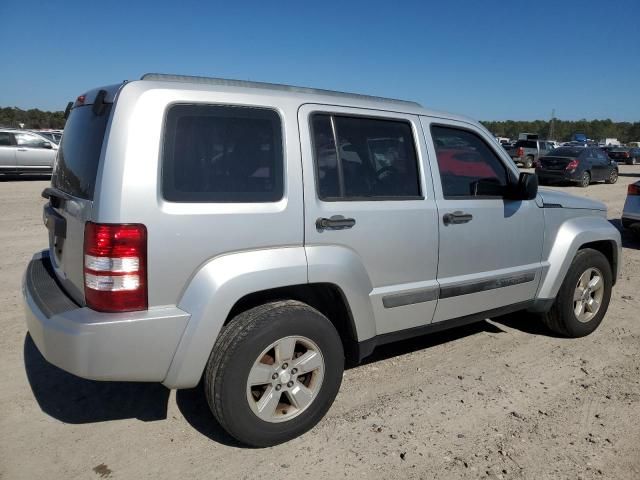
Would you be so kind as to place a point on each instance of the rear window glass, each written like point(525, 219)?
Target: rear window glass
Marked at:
point(79, 153)
point(527, 144)
point(222, 154)
point(566, 152)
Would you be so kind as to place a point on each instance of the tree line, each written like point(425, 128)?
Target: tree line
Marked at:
point(564, 129)
point(32, 118)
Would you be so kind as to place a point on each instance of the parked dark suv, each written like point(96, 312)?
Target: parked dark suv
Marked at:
point(581, 165)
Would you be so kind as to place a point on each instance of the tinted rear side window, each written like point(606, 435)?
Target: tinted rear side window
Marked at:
point(6, 139)
point(222, 154)
point(79, 153)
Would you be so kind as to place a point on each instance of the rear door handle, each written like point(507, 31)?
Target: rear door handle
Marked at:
point(22, 149)
point(336, 222)
point(456, 217)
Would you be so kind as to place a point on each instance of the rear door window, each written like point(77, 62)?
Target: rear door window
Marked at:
point(218, 153)
point(375, 160)
point(76, 168)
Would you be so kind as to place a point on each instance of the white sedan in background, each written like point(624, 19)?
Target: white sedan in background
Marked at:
point(27, 152)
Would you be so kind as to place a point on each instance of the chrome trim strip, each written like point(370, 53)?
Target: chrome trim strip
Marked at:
point(417, 296)
point(475, 287)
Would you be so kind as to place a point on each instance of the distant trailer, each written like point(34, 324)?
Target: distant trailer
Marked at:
point(528, 136)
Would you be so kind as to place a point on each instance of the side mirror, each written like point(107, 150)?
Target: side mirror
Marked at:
point(47, 145)
point(526, 188)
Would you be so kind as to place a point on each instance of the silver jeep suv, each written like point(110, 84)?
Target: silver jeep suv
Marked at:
point(254, 236)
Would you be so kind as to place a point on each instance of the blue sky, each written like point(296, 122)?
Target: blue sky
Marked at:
point(491, 60)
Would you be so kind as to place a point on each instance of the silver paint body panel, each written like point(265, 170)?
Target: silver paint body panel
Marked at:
point(390, 267)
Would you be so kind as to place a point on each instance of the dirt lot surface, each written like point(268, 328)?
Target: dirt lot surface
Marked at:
point(499, 399)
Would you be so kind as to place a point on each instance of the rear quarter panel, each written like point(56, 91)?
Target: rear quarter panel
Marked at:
point(182, 237)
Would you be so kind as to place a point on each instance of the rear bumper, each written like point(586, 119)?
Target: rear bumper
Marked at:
point(134, 346)
point(558, 175)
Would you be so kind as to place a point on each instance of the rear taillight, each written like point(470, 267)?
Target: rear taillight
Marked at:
point(573, 164)
point(633, 189)
point(625, 154)
point(115, 267)
point(520, 152)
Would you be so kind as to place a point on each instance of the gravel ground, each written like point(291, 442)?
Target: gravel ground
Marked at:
point(499, 399)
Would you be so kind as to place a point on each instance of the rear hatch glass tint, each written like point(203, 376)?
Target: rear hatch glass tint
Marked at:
point(76, 168)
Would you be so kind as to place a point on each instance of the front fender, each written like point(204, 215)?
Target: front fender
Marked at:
point(573, 234)
point(213, 291)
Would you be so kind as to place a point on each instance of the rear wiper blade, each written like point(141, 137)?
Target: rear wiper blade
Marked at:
point(55, 196)
point(99, 103)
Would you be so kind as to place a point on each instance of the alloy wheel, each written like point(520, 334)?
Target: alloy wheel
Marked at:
point(588, 294)
point(285, 379)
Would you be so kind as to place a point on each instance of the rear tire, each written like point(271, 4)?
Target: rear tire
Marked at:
point(585, 180)
point(265, 342)
point(613, 177)
point(574, 297)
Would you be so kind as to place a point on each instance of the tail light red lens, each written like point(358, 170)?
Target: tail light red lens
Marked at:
point(115, 267)
point(520, 152)
point(633, 189)
point(573, 164)
point(625, 154)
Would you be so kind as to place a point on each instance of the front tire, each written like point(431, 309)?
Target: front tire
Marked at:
point(274, 372)
point(584, 296)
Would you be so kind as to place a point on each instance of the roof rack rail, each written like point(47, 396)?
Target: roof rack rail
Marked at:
point(268, 86)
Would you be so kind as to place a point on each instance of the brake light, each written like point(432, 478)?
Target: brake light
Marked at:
point(573, 164)
point(625, 154)
point(115, 267)
point(80, 99)
point(633, 189)
point(520, 152)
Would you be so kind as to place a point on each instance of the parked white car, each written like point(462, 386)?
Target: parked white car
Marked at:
point(24, 152)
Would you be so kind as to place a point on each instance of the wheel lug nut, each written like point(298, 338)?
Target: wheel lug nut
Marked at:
point(278, 387)
point(274, 376)
point(290, 384)
point(294, 371)
point(285, 365)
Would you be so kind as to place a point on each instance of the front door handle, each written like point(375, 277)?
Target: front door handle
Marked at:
point(336, 222)
point(456, 217)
